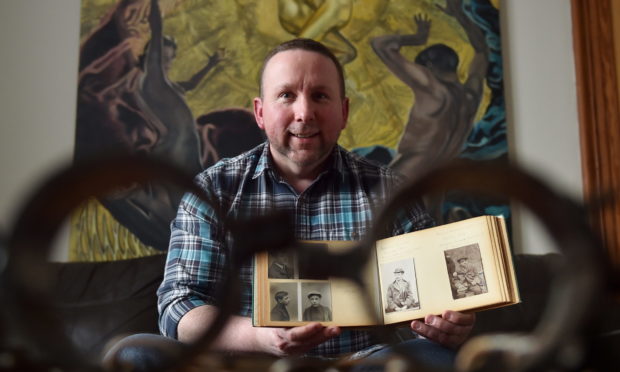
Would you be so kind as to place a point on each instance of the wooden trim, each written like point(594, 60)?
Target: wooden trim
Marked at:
point(599, 113)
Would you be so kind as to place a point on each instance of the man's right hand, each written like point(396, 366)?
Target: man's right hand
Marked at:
point(288, 341)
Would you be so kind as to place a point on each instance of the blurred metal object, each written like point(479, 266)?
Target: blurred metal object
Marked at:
point(560, 340)
point(34, 337)
point(34, 333)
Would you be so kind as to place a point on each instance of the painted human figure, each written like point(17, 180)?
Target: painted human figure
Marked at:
point(129, 105)
point(445, 108)
point(320, 20)
point(399, 295)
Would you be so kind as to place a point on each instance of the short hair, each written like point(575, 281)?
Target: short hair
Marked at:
point(439, 56)
point(307, 45)
point(280, 295)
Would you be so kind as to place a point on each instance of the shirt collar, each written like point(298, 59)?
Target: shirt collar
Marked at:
point(265, 162)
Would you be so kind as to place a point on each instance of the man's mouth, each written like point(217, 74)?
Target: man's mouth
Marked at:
point(303, 135)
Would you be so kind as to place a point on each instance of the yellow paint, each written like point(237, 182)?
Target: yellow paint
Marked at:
point(246, 29)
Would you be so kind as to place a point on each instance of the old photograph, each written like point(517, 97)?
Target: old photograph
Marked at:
point(465, 271)
point(284, 302)
point(400, 286)
point(281, 265)
point(317, 304)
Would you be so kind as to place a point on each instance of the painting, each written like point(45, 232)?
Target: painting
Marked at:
point(176, 79)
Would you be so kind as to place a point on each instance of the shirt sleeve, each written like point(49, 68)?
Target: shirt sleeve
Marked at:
point(195, 263)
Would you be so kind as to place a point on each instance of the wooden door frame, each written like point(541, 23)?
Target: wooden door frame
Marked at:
point(599, 114)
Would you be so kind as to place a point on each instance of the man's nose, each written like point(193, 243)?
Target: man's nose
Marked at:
point(304, 109)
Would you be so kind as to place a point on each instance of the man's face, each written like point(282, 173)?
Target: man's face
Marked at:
point(399, 276)
point(285, 300)
point(315, 300)
point(302, 109)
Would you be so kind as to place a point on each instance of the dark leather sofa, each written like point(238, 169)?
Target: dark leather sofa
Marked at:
point(100, 302)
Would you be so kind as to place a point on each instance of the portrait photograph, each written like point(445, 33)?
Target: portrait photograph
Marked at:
point(317, 303)
point(400, 286)
point(281, 265)
point(465, 271)
point(284, 302)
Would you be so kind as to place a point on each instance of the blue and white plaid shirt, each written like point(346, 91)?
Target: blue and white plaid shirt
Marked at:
point(339, 205)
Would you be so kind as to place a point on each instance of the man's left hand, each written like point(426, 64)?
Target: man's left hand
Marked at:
point(451, 329)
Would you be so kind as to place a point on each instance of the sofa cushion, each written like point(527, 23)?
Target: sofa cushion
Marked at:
point(98, 301)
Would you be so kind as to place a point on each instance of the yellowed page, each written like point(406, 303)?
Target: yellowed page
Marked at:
point(354, 306)
point(424, 254)
point(500, 263)
point(511, 275)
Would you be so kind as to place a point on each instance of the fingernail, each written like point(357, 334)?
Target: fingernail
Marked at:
point(417, 326)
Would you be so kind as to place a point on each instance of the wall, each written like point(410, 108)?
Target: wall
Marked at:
point(542, 103)
point(38, 76)
point(39, 40)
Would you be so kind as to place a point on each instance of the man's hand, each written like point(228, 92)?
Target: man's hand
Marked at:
point(287, 341)
point(451, 329)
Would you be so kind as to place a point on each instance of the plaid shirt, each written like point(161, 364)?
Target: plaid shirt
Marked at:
point(339, 205)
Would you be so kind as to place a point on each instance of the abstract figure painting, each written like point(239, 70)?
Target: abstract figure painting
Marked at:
point(175, 79)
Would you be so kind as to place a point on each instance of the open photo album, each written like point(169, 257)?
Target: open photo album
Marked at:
point(462, 266)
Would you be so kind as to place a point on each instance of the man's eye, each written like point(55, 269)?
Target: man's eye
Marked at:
point(320, 96)
point(285, 95)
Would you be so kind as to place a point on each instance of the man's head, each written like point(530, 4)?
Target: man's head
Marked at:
point(302, 108)
point(282, 297)
point(315, 298)
point(462, 260)
point(307, 45)
point(398, 273)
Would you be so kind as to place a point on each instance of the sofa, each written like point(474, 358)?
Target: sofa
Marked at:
point(99, 302)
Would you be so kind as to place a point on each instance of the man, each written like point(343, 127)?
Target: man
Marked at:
point(399, 295)
point(468, 275)
point(332, 194)
point(316, 312)
point(279, 312)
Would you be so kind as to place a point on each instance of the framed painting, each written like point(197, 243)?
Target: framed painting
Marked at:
point(176, 78)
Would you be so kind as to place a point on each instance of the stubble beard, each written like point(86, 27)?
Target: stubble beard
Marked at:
point(303, 157)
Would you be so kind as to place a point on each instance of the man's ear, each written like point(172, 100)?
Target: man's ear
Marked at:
point(258, 112)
